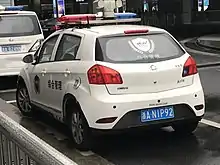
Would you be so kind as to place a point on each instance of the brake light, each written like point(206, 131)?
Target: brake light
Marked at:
point(136, 31)
point(190, 67)
point(100, 75)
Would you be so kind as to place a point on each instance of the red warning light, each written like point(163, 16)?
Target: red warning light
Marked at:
point(76, 17)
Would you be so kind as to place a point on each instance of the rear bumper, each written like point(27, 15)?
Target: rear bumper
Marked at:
point(10, 72)
point(132, 120)
point(143, 127)
point(11, 64)
point(126, 108)
point(183, 112)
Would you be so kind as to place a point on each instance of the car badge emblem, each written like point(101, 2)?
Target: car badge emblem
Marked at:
point(153, 67)
point(10, 39)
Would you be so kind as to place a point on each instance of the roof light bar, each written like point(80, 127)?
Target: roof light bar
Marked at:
point(14, 8)
point(87, 20)
point(102, 21)
point(84, 17)
point(115, 21)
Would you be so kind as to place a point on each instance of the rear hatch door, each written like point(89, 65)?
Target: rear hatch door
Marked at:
point(146, 63)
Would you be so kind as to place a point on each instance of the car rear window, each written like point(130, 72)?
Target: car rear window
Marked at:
point(18, 25)
point(139, 48)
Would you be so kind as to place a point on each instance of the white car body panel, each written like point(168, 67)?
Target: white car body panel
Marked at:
point(11, 62)
point(165, 77)
point(103, 101)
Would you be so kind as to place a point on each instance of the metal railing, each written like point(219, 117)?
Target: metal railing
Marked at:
point(19, 146)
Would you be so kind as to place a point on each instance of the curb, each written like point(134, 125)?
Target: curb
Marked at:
point(187, 40)
point(204, 65)
point(209, 46)
point(196, 51)
point(210, 41)
point(210, 64)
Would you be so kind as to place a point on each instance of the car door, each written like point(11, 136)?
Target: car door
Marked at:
point(38, 73)
point(62, 72)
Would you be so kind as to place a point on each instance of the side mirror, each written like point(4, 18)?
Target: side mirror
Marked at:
point(28, 59)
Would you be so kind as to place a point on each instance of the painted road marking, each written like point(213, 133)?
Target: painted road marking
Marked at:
point(87, 153)
point(210, 123)
point(8, 91)
point(11, 101)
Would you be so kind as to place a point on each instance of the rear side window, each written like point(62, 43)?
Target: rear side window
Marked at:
point(19, 25)
point(138, 48)
point(68, 48)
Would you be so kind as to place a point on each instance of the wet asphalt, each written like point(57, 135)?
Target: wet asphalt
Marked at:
point(147, 147)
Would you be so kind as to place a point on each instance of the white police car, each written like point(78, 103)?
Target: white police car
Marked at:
point(20, 34)
point(112, 77)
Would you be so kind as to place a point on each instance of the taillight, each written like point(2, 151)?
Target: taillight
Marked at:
point(190, 67)
point(136, 31)
point(100, 75)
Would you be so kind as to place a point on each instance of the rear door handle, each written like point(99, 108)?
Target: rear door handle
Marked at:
point(67, 71)
point(43, 71)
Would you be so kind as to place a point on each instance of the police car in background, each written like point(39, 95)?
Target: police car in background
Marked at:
point(20, 34)
point(112, 77)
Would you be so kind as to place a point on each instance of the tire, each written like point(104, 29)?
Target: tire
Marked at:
point(185, 128)
point(23, 100)
point(78, 125)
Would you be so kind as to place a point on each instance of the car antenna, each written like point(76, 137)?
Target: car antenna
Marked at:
point(80, 23)
point(88, 25)
point(66, 26)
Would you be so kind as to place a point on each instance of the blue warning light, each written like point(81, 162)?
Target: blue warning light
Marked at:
point(125, 15)
point(14, 8)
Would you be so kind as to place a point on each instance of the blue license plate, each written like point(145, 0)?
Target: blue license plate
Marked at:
point(11, 48)
point(160, 113)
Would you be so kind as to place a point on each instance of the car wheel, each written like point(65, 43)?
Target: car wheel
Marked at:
point(185, 128)
point(80, 130)
point(23, 100)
